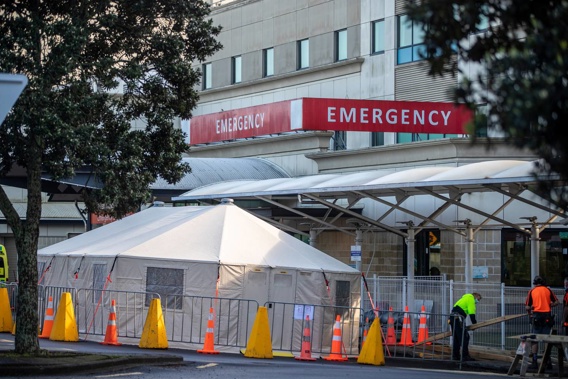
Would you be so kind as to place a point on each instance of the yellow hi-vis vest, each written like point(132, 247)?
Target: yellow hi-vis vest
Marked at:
point(3, 264)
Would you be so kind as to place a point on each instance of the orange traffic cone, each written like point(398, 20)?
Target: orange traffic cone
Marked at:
point(365, 332)
point(306, 353)
point(48, 320)
point(423, 328)
point(208, 347)
point(391, 334)
point(336, 344)
point(406, 335)
point(111, 336)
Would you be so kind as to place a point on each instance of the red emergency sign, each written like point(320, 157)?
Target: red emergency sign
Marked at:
point(330, 114)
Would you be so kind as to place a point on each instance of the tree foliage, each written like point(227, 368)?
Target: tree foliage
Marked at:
point(514, 57)
point(77, 56)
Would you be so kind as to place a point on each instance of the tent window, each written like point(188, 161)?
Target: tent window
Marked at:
point(168, 283)
point(99, 277)
point(258, 278)
point(283, 280)
point(342, 291)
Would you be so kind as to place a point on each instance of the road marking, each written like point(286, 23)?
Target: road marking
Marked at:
point(208, 365)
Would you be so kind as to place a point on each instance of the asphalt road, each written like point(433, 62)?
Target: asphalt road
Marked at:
point(234, 365)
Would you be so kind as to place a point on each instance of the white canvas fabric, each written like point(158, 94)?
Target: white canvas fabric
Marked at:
point(223, 251)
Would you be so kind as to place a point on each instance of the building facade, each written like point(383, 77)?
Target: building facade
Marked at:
point(276, 51)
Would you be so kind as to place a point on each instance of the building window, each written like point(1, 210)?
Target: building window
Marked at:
point(516, 257)
point(377, 139)
point(378, 37)
point(341, 45)
point(410, 40)
point(339, 140)
point(415, 137)
point(268, 62)
point(303, 54)
point(207, 79)
point(236, 65)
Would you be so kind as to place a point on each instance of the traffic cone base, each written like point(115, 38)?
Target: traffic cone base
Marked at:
point(336, 343)
point(406, 335)
point(111, 336)
point(306, 352)
point(208, 346)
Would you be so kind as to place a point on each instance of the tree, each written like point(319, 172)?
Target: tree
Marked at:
point(75, 55)
point(521, 51)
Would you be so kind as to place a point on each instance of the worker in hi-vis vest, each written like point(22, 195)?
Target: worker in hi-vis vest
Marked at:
point(3, 264)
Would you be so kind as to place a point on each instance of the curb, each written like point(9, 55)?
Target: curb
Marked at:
point(42, 366)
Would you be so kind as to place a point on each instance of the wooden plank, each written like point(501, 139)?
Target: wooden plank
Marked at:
point(492, 321)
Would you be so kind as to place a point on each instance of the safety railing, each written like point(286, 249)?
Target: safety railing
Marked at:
point(288, 321)
point(92, 309)
point(186, 319)
point(186, 316)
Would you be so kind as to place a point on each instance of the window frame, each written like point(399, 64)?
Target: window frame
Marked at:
point(171, 295)
point(416, 45)
point(236, 69)
point(207, 76)
point(374, 36)
point(377, 139)
point(265, 62)
point(340, 45)
point(301, 56)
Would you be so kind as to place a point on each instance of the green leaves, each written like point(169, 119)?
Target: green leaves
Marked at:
point(96, 70)
point(523, 80)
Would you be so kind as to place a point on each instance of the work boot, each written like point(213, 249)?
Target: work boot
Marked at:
point(468, 358)
point(456, 358)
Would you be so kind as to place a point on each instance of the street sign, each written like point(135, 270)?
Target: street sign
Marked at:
point(11, 86)
point(355, 253)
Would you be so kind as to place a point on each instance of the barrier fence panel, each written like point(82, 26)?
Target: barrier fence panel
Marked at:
point(186, 317)
point(45, 292)
point(93, 309)
point(288, 320)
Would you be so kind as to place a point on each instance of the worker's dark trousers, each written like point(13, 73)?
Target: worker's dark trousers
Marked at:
point(457, 325)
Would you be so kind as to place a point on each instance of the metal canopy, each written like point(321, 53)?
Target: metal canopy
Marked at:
point(342, 192)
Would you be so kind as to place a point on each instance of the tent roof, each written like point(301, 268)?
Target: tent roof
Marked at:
point(222, 234)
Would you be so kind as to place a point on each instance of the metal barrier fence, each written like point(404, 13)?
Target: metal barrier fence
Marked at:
point(186, 316)
point(288, 321)
point(438, 297)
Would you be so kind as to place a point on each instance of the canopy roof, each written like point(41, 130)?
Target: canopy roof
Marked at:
point(222, 234)
point(341, 192)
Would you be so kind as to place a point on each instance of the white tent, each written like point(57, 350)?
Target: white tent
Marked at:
point(200, 252)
